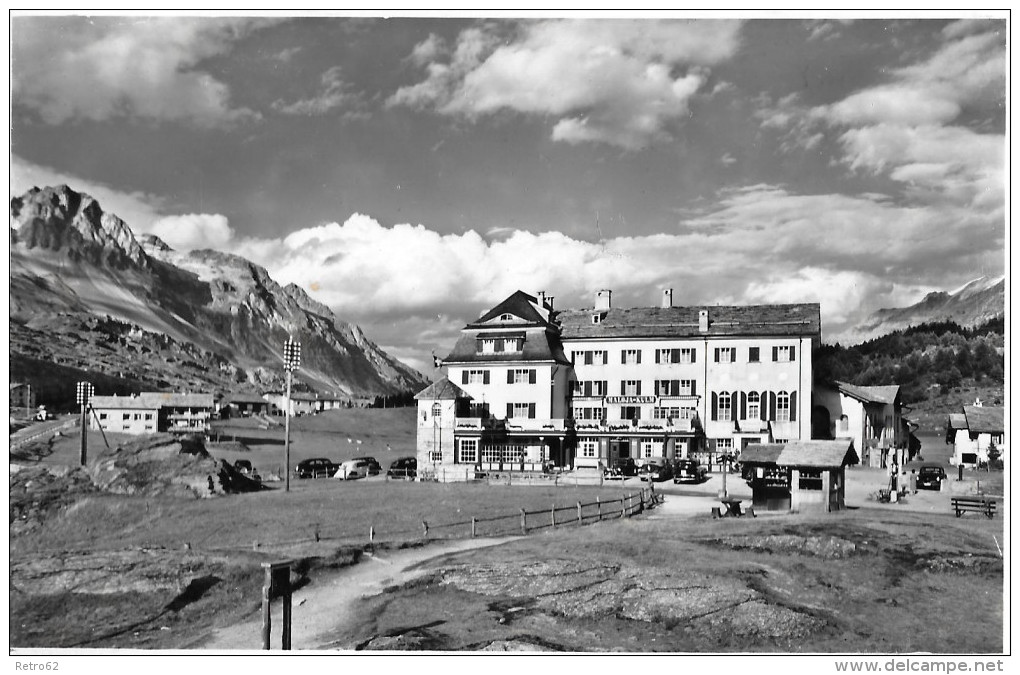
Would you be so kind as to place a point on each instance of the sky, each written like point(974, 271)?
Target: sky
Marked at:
point(412, 172)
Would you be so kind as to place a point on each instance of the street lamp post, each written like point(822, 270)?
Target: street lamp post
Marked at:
point(84, 392)
point(291, 362)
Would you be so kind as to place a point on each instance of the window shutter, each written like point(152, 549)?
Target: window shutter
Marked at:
point(498, 345)
point(743, 405)
point(588, 358)
point(717, 355)
point(793, 406)
point(532, 376)
point(674, 356)
point(639, 356)
point(463, 377)
point(763, 405)
point(694, 356)
point(793, 353)
point(675, 387)
point(775, 353)
point(623, 387)
point(485, 377)
point(638, 388)
point(715, 406)
point(772, 405)
point(623, 356)
point(510, 376)
point(694, 387)
point(531, 411)
point(509, 410)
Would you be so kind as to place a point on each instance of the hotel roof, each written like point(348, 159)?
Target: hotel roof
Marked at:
point(673, 322)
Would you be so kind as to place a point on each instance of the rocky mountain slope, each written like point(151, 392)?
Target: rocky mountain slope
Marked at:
point(87, 296)
point(975, 303)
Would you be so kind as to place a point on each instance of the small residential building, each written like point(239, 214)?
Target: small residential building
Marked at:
point(22, 398)
point(871, 416)
point(439, 407)
point(153, 412)
point(305, 403)
point(799, 475)
point(243, 405)
point(974, 431)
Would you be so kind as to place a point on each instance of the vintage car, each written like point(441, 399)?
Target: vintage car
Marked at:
point(689, 471)
point(930, 477)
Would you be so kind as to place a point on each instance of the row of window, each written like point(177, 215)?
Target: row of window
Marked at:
point(633, 388)
point(129, 416)
point(777, 406)
point(513, 376)
point(634, 412)
point(780, 354)
point(468, 452)
point(500, 345)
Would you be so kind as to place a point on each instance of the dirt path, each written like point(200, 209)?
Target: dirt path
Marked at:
point(325, 607)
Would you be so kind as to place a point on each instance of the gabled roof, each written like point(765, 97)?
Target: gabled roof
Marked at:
point(885, 394)
point(441, 390)
point(984, 419)
point(813, 454)
point(671, 322)
point(539, 345)
point(153, 400)
point(243, 398)
point(957, 421)
point(521, 305)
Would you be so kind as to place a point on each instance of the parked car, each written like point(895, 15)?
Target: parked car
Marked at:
point(374, 468)
point(243, 466)
point(622, 467)
point(656, 470)
point(318, 467)
point(405, 467)
point(930, 477)
point(689, 471)
point(353, 469)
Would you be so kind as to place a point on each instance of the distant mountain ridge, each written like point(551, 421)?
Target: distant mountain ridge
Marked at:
point(71, 260)
point(976, 302)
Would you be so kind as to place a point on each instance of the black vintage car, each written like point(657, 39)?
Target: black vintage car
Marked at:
point(930, 477)
point(689, 471)
point(374, 468)
point(405, 467)
point(656, 469)
point(625, 466)
point(318, 467)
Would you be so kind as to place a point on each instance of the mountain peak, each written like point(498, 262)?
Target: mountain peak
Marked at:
point(61, 219)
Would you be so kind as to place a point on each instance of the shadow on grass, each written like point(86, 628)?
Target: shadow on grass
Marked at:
point(194, 592)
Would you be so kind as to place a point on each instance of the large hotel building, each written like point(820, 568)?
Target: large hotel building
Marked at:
point(527, 385)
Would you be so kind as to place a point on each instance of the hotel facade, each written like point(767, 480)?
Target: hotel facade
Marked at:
point(527, 385)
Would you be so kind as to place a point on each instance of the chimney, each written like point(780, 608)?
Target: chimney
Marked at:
point(703, 321)
point(667, 298)
point(603, 300)
point(549, 302)
point(541, 298)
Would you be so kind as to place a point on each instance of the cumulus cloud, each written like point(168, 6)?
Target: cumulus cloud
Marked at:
point(336, 94)
point(624, 83)
point(194, 231)
point(99, 68)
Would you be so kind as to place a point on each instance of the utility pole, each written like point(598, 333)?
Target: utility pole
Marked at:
point(292, 361)
point(84, 392)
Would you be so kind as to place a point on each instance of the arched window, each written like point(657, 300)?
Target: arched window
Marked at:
point(753, 405)
point(725, 407)
point(437, 410)
point(782, 407)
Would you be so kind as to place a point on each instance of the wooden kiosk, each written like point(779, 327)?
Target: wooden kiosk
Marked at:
point(799, 475)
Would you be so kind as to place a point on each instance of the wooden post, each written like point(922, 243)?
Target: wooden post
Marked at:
point(552, 512)
point(474, 529)
point(579, 512)
point(371, 534)
point(623, 505)
point(524, 521)
point(285, 641)
point(598, 503)
point(267, 618)
point(425, 528)
point(641, 497)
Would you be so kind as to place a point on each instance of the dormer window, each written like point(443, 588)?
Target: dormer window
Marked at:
point(506, 317)
point(497, 345)
point(597, 317)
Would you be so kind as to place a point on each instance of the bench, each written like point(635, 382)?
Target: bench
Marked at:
point(976, 504)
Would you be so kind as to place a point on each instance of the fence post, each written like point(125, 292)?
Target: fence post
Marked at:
point(598, 502)
point(524, 521)
point(371, 534)
point(473, 527)
point(425, 528)
point(641, 497)
point(267, 617)
point(553, 512)
point(579, 512)
point(623, 505)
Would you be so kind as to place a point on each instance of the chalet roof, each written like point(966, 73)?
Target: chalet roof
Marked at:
point(984, 419)
point(885, 394)
point(153, 400)
point(673, 322)
point(813, 454)
point(243, 398)
point(539, 345)
point(441, 390)
point(521, 305)
point(957, 421)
